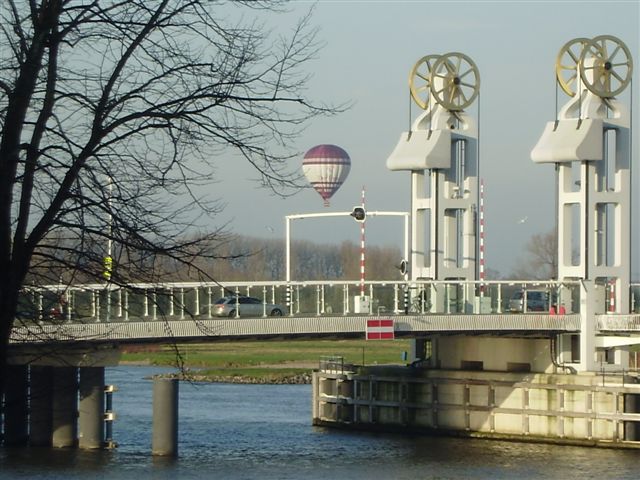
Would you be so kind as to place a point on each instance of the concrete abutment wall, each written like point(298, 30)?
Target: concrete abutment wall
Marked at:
point(560, 408)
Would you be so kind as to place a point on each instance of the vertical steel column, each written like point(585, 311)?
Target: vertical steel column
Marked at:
point(119, 302)
point(69, 305)
point(165, 417)
point(91, 414)
point(16, 413)
point(481, 273)
point(288, 263)
point(109, 416)
point(362, 251)
point(315, 410)
point(145, 304)
point(154, 305)
point(65, 407)
point(318, 300)
point(41, 401)
point(107, 292)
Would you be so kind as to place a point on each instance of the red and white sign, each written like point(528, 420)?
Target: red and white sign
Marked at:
point(380, 329)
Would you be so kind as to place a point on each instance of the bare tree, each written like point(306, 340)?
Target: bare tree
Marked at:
point(112, 113)
point(541, 261)
point(245, 258)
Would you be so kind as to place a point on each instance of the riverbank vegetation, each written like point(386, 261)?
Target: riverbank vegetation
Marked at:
point(264, 361)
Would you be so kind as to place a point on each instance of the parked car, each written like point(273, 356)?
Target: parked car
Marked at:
point(537, 301)
point(246, 307)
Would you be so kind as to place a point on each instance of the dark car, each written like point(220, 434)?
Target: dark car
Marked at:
point(245, 306)
point(537, 301)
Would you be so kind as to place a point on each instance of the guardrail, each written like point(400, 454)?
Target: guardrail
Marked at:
point(618, 323)
point(186, 300)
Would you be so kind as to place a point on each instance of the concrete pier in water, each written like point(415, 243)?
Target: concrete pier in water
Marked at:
point(41, 414)
point(16, 406)
point(91, 413)
point(165, 417)
point(65, 407)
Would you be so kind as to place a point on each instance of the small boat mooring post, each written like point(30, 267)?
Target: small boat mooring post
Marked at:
point(165, 417)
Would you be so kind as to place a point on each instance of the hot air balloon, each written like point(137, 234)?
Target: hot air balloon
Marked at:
point(326, 167)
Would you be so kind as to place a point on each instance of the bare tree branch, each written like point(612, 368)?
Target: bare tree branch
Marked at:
point(114, 112)
point(541, 261)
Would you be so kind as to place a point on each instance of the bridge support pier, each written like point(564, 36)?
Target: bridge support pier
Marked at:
point(41, 399)
point(417, 346)
point(16, 423)
point(165, 417)
point(65, 407)
point(560, 408)
point(91, 413)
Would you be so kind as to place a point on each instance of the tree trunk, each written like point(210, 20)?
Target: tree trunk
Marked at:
point(8, 307)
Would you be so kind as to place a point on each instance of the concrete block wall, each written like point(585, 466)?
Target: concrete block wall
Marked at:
point(565, 408)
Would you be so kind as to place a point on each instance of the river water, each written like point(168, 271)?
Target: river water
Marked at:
point(264, 432)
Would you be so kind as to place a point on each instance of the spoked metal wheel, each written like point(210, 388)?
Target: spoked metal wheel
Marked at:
point(606, 66)
point(455, 81)
point(567, 64)
point(420, 79)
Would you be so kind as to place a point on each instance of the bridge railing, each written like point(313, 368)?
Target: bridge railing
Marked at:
point(187, 300)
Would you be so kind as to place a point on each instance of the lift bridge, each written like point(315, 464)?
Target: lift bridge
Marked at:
point(514, 358)
point(169, 312)
point(590, 310)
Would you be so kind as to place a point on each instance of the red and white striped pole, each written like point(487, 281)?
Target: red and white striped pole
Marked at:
point(481, 243)
point(362, 249)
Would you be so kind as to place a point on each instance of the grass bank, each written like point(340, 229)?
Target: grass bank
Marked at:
point(268, 361)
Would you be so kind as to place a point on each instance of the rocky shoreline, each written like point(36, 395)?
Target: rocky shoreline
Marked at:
point(298, 379)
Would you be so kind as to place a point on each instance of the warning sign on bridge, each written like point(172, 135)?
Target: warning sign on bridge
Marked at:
point(380, 329)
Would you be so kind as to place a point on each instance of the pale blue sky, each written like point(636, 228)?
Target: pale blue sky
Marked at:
point(369, 52)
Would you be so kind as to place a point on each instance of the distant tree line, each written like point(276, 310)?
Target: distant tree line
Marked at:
point(244, 258)
point(229, 258)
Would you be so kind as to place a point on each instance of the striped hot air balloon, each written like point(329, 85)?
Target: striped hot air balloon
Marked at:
point(326, 168)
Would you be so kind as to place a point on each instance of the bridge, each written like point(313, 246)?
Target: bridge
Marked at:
point(483, 369)
point(85, 324)
point(182, 311)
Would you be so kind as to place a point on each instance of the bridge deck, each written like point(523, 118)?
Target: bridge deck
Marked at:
point(293, 327)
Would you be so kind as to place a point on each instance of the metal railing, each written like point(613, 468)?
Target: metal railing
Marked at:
point(188, 300)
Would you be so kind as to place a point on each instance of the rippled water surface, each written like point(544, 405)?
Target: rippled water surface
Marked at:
point(264, 432)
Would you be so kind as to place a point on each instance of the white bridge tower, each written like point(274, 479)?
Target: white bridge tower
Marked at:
point(590, 145)
point(441, 152)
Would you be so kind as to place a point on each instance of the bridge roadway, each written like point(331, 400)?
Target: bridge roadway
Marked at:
point(170, 329)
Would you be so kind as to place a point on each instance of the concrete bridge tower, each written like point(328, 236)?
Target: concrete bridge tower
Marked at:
point(441, 152)
point(590, 145)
